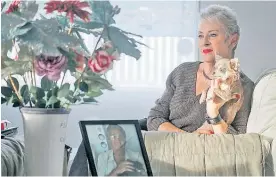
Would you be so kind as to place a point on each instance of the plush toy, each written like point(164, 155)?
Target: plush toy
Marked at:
point(228, 87)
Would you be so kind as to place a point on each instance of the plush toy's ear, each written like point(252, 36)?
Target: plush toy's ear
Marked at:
point(234, 64)
point(236, 97)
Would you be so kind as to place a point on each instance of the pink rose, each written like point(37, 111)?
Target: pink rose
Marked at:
point(50, 66)
point(101, 63)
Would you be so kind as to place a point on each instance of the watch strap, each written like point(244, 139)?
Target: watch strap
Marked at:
point(213, 121)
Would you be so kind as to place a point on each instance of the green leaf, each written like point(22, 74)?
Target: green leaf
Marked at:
point(76, 84)
point(83, 45)
point(84, 26)
point(94, 94)
point(103, 12)
point(15, 81)
point(40, 93)
point(64, 90)
point(71, 65)
point(3, 4)
point(46, 84)
point(63, 21)
point(42, 17)
point(14, 98)
point(6, 91)
point(50, 37)
point(70, 97)
point(9, 99)
point(8, 22)
point(3, 100)
point(52, 92)
point(104, 84)
point(57, 104)
point(33, 100)
point(40, 103)
point(94, 81)
point(37, 92)
point(52, 100)
point(83, 87)
point(24, 92)
point(21, 29)
point(89, 100)
point(18, 67)
point(123, 43)
point(16, 104)
point(28, 9)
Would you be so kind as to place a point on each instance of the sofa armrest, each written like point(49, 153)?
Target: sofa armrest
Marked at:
point(179, 154)
point(12, 157)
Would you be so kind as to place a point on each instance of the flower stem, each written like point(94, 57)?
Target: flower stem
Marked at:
point(70, 29)
point(53, 89)
point(32, 79)
point(24, 78)
point(15, 90)
point(62, 78)
point(6, 81)
point(33, 69)
point(26, 82)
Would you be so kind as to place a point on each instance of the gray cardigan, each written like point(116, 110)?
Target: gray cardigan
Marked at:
point(180, 106)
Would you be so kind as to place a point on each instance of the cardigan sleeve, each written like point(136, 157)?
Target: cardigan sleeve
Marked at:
point(161, 111)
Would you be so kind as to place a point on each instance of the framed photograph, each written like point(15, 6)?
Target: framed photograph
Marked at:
point(115, 148)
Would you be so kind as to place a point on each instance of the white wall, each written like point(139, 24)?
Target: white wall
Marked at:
point(256, 49)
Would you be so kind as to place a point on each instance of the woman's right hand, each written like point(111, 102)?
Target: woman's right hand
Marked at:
point(123, 167)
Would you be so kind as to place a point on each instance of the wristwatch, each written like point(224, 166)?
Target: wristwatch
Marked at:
point(213, 121)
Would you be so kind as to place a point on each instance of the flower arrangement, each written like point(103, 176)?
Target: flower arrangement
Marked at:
point(46, 47)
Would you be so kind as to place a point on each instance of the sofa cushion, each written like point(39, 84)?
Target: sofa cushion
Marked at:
point(262, 118)
point(189, 154)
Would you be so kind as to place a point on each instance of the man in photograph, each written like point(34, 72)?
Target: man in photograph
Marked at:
point(119, 160)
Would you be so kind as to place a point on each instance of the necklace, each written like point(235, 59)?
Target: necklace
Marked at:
point(205, 75)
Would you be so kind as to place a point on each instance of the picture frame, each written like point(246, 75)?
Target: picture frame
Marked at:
point(107, 140)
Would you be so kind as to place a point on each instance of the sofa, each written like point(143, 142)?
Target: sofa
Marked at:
point(186, 154)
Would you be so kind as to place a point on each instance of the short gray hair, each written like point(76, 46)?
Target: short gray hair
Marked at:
point(224, 15)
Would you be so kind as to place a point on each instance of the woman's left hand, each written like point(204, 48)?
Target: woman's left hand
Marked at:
point(213, 102)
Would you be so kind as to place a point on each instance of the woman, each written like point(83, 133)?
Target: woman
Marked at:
point(179, 110)
point(119, 161)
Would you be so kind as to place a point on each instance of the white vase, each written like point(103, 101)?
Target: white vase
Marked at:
point(44, 136)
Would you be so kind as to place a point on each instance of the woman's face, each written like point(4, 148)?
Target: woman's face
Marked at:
point(213, 40)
